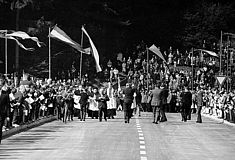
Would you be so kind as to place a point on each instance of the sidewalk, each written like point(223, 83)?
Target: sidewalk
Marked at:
point(28, 126)
point(222, 121)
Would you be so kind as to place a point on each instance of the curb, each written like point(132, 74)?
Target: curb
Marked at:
point(26, 127)
point(219, 120)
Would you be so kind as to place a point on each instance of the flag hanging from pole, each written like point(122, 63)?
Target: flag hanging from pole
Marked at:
point(94, 51)
point(59, 34)
point(23, 35)
point(155, 50)
point(19, 35)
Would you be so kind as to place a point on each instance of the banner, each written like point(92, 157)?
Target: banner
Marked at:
point(59, 34)
point(94, 51)
point(155, 50)
point(19, 35)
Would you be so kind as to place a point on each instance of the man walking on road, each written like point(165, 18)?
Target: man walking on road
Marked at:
point(163, 97)
point(186, 103)
point(155, 103)
point(83, 102)
point(128, 94)
point(4, 105)
point(199, 99)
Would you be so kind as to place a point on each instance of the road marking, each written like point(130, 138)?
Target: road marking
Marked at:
point(143, 158)
point(141, 138)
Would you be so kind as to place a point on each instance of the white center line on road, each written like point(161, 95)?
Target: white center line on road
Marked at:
point(141, 138)
point(141, 134)
point(143, 158)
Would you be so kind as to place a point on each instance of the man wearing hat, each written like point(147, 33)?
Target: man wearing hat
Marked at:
point(4, 105)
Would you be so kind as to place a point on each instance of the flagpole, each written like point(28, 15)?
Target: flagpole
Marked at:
point(147, 66)
point(220, 59)
point(80, 73)
point(49, 46)
point(192, 63)
point(6, 53)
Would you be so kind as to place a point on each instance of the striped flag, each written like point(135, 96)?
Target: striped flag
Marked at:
point(59, 34)
point(19, 35)
point(94, 51)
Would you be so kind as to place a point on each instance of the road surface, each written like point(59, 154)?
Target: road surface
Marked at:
point(116, 140)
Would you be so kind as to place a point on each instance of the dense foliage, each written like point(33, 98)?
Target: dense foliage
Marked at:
point(115, 26)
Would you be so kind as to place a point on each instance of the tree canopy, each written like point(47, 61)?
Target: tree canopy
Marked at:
point(116, 26)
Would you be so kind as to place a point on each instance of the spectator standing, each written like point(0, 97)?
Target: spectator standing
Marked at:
point(4, 105)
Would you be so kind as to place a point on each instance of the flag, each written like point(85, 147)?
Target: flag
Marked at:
point(23, 35)
point(208, 52)
point(94, 51)
point(88, 50)
point(59, 34)
point(155, 50)
point(19, 35)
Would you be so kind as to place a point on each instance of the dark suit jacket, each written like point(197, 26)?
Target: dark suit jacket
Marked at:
point(163, 96)
point(4, 105)
point(186, 99)
point(128, 92)
point(102, 100)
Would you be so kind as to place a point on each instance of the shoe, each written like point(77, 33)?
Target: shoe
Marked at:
point(125, 121)
point(198, 122)
point(153, 122)
point(156, 123)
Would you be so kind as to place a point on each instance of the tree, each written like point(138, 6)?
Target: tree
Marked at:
point(204, 23)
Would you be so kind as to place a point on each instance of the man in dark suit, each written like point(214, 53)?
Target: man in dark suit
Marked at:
point(186, 103)
point(155, 103)
point(83, 102)
point(4, 105)
point(128, 94)
point(163, 97)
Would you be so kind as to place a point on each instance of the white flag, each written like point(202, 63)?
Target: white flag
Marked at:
point(94, 51)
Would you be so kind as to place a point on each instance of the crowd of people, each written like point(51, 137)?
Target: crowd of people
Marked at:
point(150, 86)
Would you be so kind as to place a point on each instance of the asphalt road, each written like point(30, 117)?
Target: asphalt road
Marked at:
point(116, 140)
